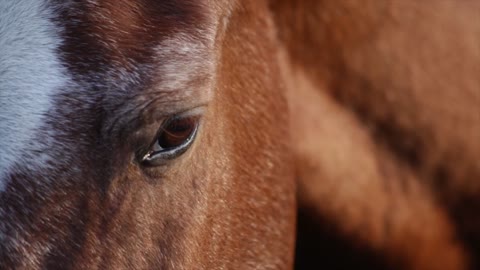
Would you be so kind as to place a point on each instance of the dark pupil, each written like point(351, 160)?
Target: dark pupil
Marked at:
point(176, 132)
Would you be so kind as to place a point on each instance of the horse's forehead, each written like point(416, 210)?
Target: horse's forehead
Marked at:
point(125, 32)
point(51, 47)
point(30, 74)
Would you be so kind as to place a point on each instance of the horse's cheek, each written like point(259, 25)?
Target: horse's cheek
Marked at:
point(249, 181)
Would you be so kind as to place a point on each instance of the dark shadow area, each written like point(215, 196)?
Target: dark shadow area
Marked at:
point(320, 246)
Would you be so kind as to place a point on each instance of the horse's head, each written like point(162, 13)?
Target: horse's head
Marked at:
point(139, 134)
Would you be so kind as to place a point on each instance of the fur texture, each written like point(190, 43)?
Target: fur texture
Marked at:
point(119, 69)
point(31, 74)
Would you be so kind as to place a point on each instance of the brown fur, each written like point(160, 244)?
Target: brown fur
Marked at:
point(374, 105)
point(227, 203)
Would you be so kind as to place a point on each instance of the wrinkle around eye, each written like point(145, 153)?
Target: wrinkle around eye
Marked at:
point(129, 119)
point(139, 136)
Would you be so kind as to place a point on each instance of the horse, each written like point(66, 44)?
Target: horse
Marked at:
point(142, 134)
point(146, 134)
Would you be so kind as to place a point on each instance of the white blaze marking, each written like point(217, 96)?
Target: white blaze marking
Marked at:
point(30, 73)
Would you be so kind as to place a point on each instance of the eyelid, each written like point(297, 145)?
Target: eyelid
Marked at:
point(199, 110)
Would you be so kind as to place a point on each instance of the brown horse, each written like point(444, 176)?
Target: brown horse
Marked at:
point(148, 134)
point(142, 134)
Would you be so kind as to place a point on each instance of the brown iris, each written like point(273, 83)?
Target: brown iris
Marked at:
point(174, 138)
point(176, 132)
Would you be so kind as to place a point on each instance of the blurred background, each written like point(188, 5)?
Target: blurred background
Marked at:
point(385, 104)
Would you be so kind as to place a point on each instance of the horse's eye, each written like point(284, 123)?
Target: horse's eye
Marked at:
point(174, 138)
